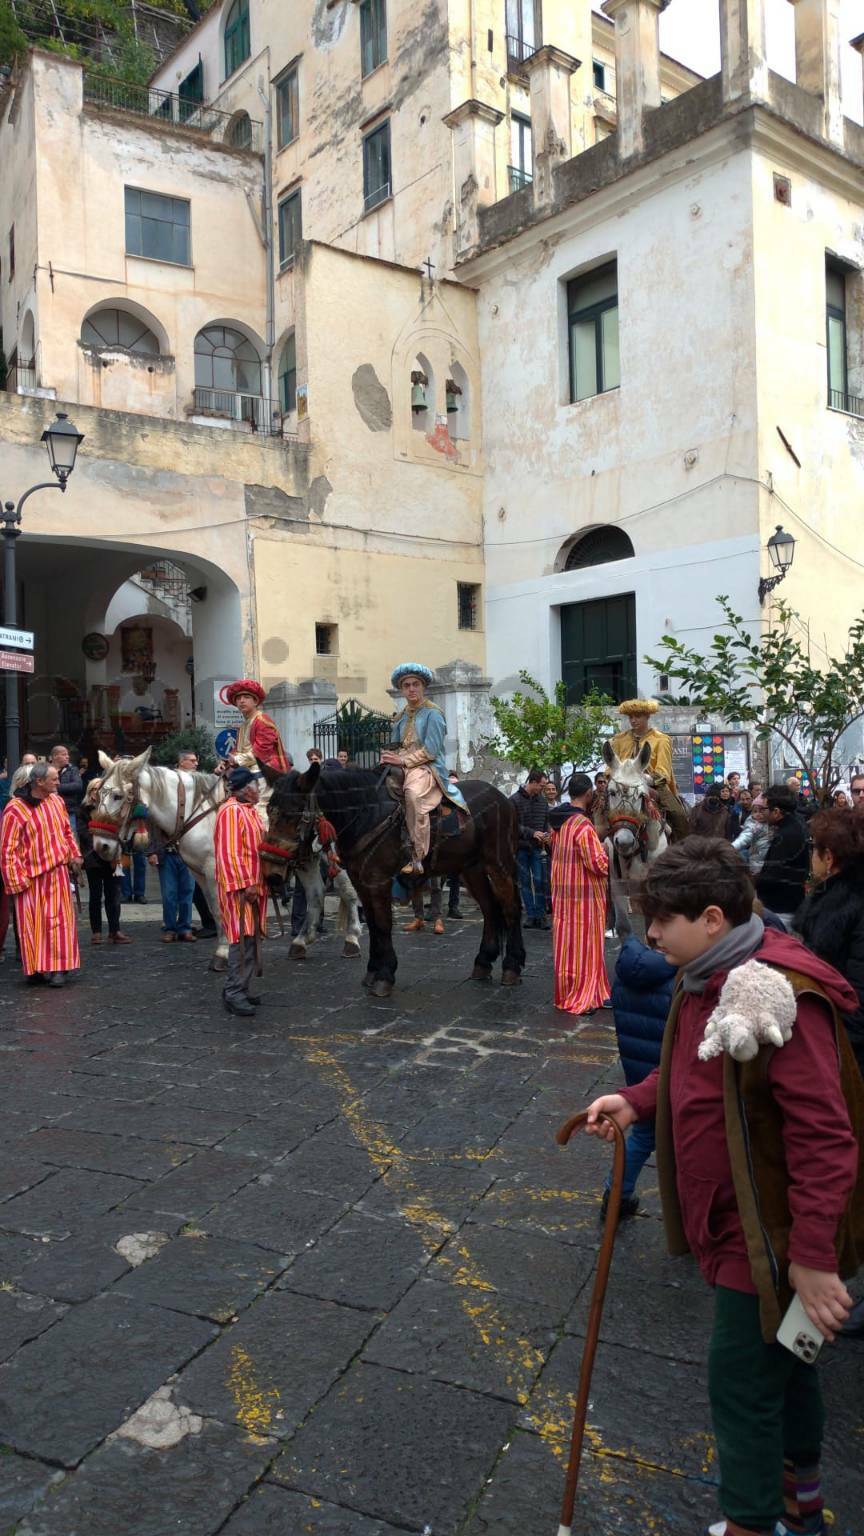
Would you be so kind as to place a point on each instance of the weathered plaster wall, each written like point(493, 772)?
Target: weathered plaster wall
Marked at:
point(18, 206)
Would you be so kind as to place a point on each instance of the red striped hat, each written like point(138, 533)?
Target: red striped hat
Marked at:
point(229, 693)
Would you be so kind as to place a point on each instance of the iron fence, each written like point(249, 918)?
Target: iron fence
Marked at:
point(252, 411)
point(21, 376)
point(518, 177)
point(518, 50)
point(838, 400)
point(359, 731)
point(146, 101)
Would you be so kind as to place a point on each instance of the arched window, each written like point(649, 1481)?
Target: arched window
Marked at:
point(422, 394)
point(117, 328)
point(288, 375)
point(226, 364)
point(598, 547)
point(237, 43)
point(458, 403)
point(240, 131)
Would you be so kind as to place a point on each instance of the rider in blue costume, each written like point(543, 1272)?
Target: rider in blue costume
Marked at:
point(420, 732)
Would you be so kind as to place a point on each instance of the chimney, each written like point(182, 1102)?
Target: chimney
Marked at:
point(637, 66)
point(549, 71)
point(743, 52)
point(473, 125)
point(818, 43)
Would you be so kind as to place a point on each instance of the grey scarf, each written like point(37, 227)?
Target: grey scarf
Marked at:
point(738, 945)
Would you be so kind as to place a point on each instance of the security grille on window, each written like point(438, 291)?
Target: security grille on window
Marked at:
point(592, 306)
point(157, 226)
point(290, 229)
point(288, 375)
point(237, 39)
point(326, 639)
point(469, 605)
point(376, 167)
point(287, 108)
point(373, 35)
point(522, 20)
point(521, 152)
point(835, 319)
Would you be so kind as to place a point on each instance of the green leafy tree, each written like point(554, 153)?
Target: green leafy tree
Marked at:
point(194, 738)
point(536, 730)
point(769, 681)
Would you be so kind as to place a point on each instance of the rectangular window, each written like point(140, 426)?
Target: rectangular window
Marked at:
point(835, 320)
point(599, 76)
point(11, 252)
point(468, 598)
point(326, 639)
point(191, 92)
point(287, 108)
point(290, 228)
point(592, 309)
point(157, 226)
point(521, 152)
point(373, 35)
point(522, 20)
point(376, 167)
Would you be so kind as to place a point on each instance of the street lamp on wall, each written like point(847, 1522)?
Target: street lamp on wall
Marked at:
point(781, 550)
point(62, 441)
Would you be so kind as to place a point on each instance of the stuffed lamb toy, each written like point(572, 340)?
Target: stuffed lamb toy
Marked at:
point(756, 1007)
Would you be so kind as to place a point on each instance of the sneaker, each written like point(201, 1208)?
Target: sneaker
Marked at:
point(628, 1207)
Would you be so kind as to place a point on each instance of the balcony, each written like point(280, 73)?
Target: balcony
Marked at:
point(518, 50)
point(145, 101)
point(247, 413)
point(838, 400)
point(518, 178)
point(21, 377)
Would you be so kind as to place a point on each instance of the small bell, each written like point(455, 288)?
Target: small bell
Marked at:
point(452, 392)
point(418, 392)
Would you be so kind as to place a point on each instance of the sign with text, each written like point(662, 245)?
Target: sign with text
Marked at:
point(15, 661)
point(21, 637)
point(224, 715)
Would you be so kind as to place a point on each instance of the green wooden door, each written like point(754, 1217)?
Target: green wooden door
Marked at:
point(598, 647)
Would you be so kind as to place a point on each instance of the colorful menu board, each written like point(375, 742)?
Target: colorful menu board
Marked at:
point(709, 761)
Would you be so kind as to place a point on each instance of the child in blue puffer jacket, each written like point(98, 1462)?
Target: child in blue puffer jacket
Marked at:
point(641, 999)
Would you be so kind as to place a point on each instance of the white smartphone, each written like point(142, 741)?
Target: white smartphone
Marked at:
point(796, 1332)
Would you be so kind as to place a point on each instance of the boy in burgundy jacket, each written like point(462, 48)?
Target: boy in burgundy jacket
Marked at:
point(757, 1163)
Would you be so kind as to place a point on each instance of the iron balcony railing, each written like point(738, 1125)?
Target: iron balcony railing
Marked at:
point(21, 376)
point(838, 400)
point(519, 49)
point(251, 411)
point(518, 177)
point(372, 199)
point(146, 101)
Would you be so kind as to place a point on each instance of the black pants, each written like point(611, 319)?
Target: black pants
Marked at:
point(202, 907)
point(103, 883)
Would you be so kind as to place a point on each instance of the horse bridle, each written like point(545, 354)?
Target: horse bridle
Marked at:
point(308, 823)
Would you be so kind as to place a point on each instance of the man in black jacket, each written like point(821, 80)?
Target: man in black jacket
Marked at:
point(69, 787)
point(532, 809)
point(782, 878)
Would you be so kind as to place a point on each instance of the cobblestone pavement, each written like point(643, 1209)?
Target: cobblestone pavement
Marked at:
point(327, 1273)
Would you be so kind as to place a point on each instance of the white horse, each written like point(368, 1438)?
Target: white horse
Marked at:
point(183, 807)
point(635, 834)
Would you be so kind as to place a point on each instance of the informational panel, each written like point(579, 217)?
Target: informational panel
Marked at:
point(682, 764)
point(224, 715)
point(714, 755)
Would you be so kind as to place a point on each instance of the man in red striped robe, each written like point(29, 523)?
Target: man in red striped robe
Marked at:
point(580, 868)
point(240, 885)
point(37, 846)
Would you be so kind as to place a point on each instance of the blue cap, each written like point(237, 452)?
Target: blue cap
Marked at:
point(238, 778)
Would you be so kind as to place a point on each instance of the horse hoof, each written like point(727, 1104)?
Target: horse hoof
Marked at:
point(297, 952)
point(381, 988)
point(481, 973)
point(368, 981)
point(351, 952)
point(511, 979)
point(218, 963)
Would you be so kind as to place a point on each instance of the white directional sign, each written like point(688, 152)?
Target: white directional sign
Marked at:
point(18, 637)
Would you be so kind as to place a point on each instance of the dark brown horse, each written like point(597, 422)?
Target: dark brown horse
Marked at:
point(370, 833)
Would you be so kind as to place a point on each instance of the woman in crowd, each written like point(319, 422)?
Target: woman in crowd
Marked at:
point(839, 800)
point(831, 919)
point(713, 817)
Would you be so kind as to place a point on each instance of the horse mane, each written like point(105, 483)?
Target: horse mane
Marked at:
point(353, 799)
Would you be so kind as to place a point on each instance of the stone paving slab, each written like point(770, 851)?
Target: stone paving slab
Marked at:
point(107, 1154)
point(680, 1316)
point(273, 1511)
point(279, 1359)
point(197, 1185)
point(525, 1265)
point(20, 1172)
point(363, 1261)
point(51, 1208)
point(80, 1266)
point(157, 1121)
point(22, 1481)
point(273, 1138)
point(121, 1350)
point(274, 1215)
point(204, 1276)
point(22, 1318)
point(396, 1437)
point(124, 1487)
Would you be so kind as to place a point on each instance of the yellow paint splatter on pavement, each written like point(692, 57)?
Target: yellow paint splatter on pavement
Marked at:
point(254, 1403)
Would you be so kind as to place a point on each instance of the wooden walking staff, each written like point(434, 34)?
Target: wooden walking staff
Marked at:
point(598, 1296)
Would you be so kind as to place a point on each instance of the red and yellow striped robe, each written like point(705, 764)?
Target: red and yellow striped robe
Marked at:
point(579, 869)
point(36, 845)
point(237, 837)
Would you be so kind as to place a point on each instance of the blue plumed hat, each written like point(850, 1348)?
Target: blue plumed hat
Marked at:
point(411, 669)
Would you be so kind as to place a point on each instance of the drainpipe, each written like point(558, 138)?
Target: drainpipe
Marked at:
point(269, 333)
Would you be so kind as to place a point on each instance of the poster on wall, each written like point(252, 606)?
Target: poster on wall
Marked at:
point(136, 647)
point(682, 764)
point(225, 716)
point(737, 756)
point(709, 761)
